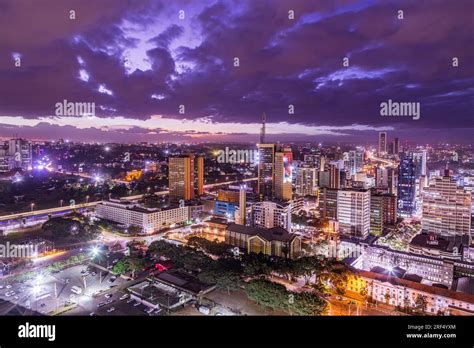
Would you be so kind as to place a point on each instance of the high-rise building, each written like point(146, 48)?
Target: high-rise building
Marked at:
point(392, 180)
point(353, 161)
point(322, 163)
point(16, 154)
point(383, 211)
point(382, 143)
point(186, 177)
point(381, 177)
point(283, 175)
point(396, 146)
point(262, 130)
point(4, 167)
point(268, 214)
point(353, 212)
point(199, 177)
point(406, 185)
point(241, 216)
point(306, 181)
point(266, 164)
point(334, 177)
point(328, 203)
point(446, 208)
point(419, 158)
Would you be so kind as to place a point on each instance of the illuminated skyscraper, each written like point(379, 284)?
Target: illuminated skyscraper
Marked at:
point(16, 154)
point(266, 164)
point(419, 158)
point(306, 181)
point(283, 174)
point(353, 212)
point(396, 146)
point(262, 130)
point(353, 161)
point(446, 208)
point(186, 177)
point(382, 143)
point(406, 185)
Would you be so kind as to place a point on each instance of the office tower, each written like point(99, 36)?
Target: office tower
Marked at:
point(283, 175)
point(268, 214)
point(333, 239)
point(396, 146)
point(446, 208)
point(322, 163)
point(392, 180)
point(353, 212)
point(313, 160)
point(419, 158)
point(382, 143)
point(186, 177)
point(199, 177)
point(16, 154)
point(240, 217)
point(406, 185)
point(328, 203)
point(376, 214)
point(334, 177)
point(324, 179)
point(381, 177)
point(353, 161)
point(3, 158)
point(262, 130)
point(266, 162)
point(306, 181)
point(383, 211)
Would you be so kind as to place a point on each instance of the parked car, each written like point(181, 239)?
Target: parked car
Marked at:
point(77, 290)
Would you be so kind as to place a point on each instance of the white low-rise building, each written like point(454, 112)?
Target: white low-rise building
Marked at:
point(406, 294)
point(149, 219)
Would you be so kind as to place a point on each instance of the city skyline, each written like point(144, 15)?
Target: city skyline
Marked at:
point(140, 63)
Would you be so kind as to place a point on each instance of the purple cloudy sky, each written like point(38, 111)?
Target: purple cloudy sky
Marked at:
point(138, 62)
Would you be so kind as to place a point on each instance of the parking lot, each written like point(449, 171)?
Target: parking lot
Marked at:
point(46, 294)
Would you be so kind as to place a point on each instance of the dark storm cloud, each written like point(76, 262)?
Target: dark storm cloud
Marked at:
point(282, 61)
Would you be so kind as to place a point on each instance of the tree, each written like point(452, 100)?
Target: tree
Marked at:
point(268, 294)
point(224, 279)
point(255, 265)
point(128, 264)
point(306, 303)
point(215, 248)
point(421, 302)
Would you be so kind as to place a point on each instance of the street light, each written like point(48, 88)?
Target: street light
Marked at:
point(95, 251)
point(32, 206)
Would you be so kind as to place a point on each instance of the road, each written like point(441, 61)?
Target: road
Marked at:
point(93, 204)
point(349, 304)
point(383, 160)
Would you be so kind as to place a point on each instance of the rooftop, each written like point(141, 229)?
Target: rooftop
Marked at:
point(184, 281)
point(270, 234)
